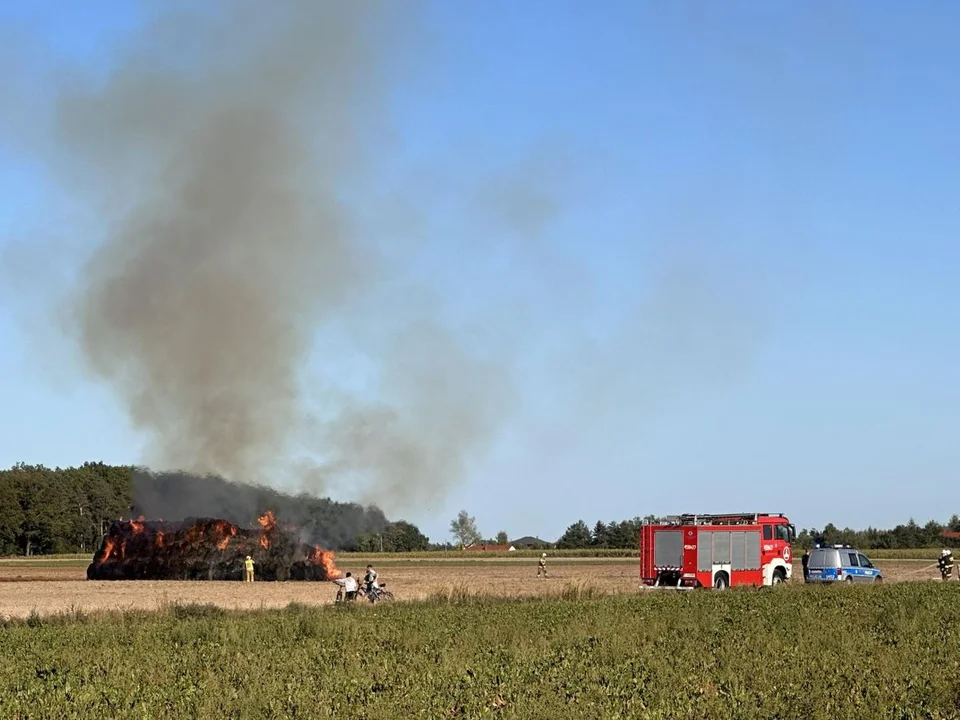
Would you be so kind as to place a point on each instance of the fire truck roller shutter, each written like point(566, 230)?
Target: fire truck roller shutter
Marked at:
point(752, 539)
point(713, 548)
point(721, 547)
point(668, 548)
point(704, 551)
point(721, 557)
point(738, 550)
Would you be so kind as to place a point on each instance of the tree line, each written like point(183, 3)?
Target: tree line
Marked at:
point(64, 510)
point(908, 536)
point(69, 510)
point(622, 535)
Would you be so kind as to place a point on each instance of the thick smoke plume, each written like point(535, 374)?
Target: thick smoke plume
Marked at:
point(218, 153)
point(259, 302)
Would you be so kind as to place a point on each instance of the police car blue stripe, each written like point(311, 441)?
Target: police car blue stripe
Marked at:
point(846, 570)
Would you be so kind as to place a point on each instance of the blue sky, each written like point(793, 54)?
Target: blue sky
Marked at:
point(795, 167)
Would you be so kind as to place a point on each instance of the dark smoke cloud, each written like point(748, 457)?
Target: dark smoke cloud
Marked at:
point(318, 521)
point(219, 157)
point(218, 153)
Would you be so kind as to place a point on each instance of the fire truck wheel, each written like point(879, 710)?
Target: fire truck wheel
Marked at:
point(779, 577)
point(721, 582)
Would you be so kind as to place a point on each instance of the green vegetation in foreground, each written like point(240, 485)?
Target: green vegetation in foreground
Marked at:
point(888, 651)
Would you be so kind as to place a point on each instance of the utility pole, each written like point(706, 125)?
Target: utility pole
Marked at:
point(380, 535)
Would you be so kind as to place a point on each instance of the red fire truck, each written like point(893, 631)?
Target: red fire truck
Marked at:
point(691, 551)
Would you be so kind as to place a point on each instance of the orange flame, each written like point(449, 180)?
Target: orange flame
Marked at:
point(319, 556)
point(268, 522)
point(159, 541)
point(224, 531)
point(137, 527)
point(222, 545)
point(123, 549)
point(107, 549)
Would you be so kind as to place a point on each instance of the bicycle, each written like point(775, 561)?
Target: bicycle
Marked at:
point(379, 594)
point(340, 598)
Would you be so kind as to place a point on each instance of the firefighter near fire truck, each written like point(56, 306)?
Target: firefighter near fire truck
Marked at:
point(717, 551)
point(945, 564)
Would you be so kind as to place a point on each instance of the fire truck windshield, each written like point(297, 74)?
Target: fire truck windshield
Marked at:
point(784, 532)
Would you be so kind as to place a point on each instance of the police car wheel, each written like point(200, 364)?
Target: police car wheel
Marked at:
point(878, 579)
point(849, 579)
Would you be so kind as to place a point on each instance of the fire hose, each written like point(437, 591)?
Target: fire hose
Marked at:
point(925, 568)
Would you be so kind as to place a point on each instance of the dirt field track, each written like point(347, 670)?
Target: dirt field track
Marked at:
point(51, 587)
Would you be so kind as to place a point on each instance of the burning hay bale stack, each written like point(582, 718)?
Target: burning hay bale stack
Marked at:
point(206, 549)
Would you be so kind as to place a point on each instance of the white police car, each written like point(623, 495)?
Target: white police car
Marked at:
point(840, 563)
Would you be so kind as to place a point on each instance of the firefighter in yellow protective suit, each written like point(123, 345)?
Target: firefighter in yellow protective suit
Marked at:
point(945, 564)
point(248, 566)
point(542, 565)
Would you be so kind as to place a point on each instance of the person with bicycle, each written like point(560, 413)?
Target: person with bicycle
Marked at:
point(370, 581)
point(349, 585)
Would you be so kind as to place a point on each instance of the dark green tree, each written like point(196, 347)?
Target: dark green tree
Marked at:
point(601, 538)
point(402, 536)
point(575, 536)
point(953, 525)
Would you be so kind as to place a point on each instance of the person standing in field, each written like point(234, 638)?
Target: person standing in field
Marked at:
point(945, 564)
point(542, 565)
point(805, 561)
point(248, 567)
point(349, 584)
point(370, 579)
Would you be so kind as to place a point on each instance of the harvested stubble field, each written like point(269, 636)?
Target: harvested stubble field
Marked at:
point(52, 586)
point(886, 651)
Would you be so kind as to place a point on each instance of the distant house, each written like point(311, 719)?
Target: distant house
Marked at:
point(529, 541)
point(483, 547)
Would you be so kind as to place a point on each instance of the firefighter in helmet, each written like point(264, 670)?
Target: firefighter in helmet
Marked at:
point(542, 565)
point(248, 567)
point(945, 564)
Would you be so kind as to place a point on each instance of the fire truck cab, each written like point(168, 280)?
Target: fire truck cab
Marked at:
point(719, 551)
